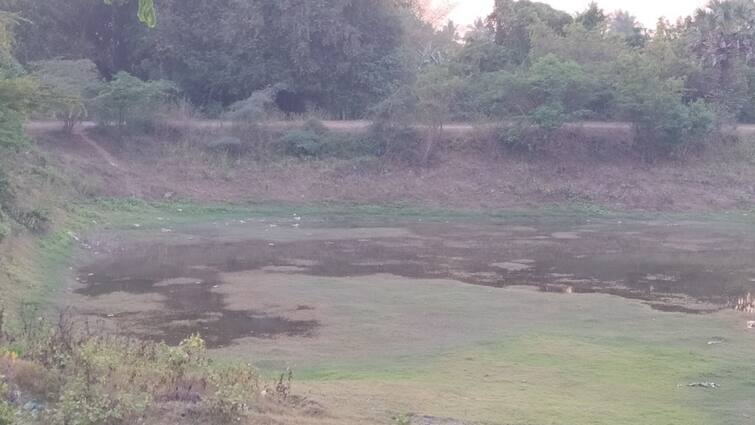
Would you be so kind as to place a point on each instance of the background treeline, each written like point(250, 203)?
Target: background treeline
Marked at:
point(526, 64)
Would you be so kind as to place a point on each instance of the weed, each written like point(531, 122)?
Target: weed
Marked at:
point(402, 419)
point(302, 144)
point(86, 377)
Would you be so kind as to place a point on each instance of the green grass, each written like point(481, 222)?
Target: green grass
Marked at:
point(561, 379)
point(580, 362)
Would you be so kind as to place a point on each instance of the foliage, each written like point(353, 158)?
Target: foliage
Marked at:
point(18, 97)
point(146, 13)
point(5, 229)
point(626, 26)
point(722, 37)
point(86, 379)
point(7, 414)
point(657, 108)
point(339, 55)
point(302, 143)
point(19, 94)
point(396, 62)
point(129, 101)
point(594, 18)
point(258, 106)
point(513, 22)
point(71, 83)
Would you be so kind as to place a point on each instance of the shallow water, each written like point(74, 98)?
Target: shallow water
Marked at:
point(175, 277)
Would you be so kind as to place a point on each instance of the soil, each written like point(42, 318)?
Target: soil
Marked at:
point(463, 173)
point(174, 284)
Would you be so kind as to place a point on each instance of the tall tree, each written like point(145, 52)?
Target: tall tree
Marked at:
point(625, 25)
point(593, 18)
point(513, 22)
point(19, 94)
point(722, 35)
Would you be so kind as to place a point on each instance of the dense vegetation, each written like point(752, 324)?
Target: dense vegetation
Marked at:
point(526, 63)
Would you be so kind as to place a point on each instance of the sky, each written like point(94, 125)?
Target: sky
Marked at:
point(646, 11)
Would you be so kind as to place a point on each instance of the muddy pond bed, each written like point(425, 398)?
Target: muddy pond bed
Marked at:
point(690, 267)
point(381, 304)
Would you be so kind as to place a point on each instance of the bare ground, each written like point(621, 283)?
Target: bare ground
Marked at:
point(473, 176)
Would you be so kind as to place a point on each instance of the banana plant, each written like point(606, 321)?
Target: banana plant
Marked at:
point(146, 14)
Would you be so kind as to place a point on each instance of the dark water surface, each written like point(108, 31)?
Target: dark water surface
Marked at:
point(689, 267)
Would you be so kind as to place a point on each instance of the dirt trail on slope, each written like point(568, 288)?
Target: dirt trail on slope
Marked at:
point(110, 159)
point(85, 155)
point(362, 125)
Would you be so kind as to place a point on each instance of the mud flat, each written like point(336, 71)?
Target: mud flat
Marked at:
point(508, 321)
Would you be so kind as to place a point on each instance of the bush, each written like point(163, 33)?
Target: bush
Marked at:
point(397, 143)
point(316, 126)
point(36, 220)
point(257, 107)
point(302, 144)
point(85, 379)
point(7, 414)
point(524, 136)
point(663, 121)
point(71, 83)
point(227, 145)
point(5, 229)
point(128, 102)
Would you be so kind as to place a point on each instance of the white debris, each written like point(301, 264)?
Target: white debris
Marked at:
point(709, 385)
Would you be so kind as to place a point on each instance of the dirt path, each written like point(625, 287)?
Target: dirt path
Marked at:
point(122, 174)
point(105, 155)
point(362, 125)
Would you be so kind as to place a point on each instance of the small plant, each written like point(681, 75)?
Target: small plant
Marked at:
point(36, 220)
point(403, 419)
point(227, 145)
point(302, 144)
point(283, 387)
point(7, 413)
point(5, 229)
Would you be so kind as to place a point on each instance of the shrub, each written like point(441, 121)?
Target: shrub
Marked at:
point(302, 143)
point(7, 197)
point(127, 101)
point(7, 414)
point(663, 121)
point(226, 145)
point(36, 220)
point(257, 107)
point(316, 126)
point(70, 82)
point(397, 143)
point(5, 229)
point(524, 136)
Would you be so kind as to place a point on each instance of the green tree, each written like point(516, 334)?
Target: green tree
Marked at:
point(513, 22)
point(19, 94)
point(663, 121)
point(146, 12)
point(70, 83)
point(722, 36)
point(594, 18)
point(626, 26)
point(127, 100)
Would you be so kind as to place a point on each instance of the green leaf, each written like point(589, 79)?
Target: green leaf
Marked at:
point(147, 13)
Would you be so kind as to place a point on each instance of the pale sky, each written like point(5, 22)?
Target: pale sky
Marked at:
point(646, 11)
